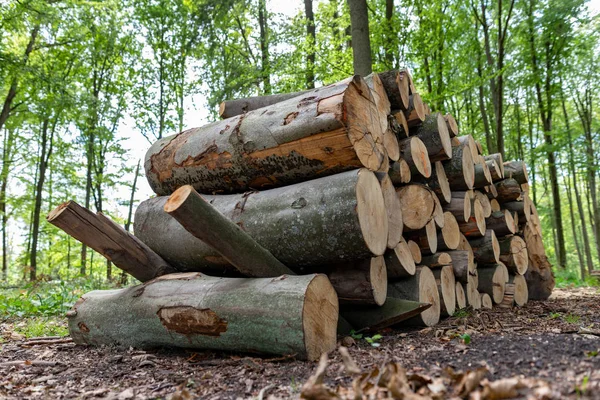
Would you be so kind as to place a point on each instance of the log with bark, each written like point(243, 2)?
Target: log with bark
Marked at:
point(459, 206)
point(468, 142)
point(284, 315)
point(485, 203)
point(501, 222)
point(539, 275)
point(460, 169)
point(461, 298)
point(462, 265)
point(513, 254)
point(475, 226)
point(231, 108)
point(492, 280)
point(508, 190)
point(448, 238)
point(444, 279)
point(438, 182)
point(422, 288)
point(414, 152)
point(360, 282)
point(472, 294)
point(398, 124)
point(451, 124)
point(397, 89)
point(434, 134)
point(516, 170)
point(282, 144)
point(523, 208)
point(375, 318)
point(425, 238)
point(415, 113)
point(483, 176)
point(486, 249)
point(521, 294)
point(486, 301)
point(394, 211)
point(390, 141)
point(415, 250)
point(297, 224)
point(400, 262)
point(400, 172)
point(497, 158)
point(495, 170)
point(418, 205)
point(109, 239)
point(436, 260)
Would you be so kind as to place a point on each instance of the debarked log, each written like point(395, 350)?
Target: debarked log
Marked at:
point(283, 315)
point(328, 220)
point(320, 133)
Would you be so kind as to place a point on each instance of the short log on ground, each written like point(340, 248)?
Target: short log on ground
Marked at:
point(284, 315)
point(422, 288)
point(360, 282)
point(492, 281)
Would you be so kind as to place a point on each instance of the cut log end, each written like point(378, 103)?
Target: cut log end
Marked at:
point(461, 299)
point(521, 295)
point(486, 301)
point(450, 233)
point(394, 211)
point(54, 214)
point(447, 289)
point(428, 293)
point(379, 281)
point(178, 197)
point(415, 251)
point(371, 210)
point(417, 205)
point(319, 317)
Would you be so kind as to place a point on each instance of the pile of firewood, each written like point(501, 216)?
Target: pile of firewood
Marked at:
point(350, 206)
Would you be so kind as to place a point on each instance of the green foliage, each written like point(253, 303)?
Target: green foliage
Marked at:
point(372, 340)
point(461, 313)
point(41, 326)
point(466, 338)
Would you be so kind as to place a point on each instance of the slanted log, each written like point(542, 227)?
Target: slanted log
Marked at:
point(400, 172)
point(521, 295)
point(434, 134)
point(422, 288)
point(415, 251)
point(248, 151)
point(438, 182)
point(475, 226)
point(399, 261)
point(486, 301)
point(397, 89)
point(516, 170)
point(485, 203)
point(460, 170)
point(414, 152)
point(459, 206)
point(497, 157)
point(393, 210)
point(501, 222)
point(513, 254)
point(492, 281)
point(486, 249)
point(231, 108)
point(448, 237)
point(286, 315)
point(508, 190)
point(418, 205)
point(461, 298)
point(452, 125)
point(426, 238)
point(292, 223)
point(375, 318)
point(462, 265)
point(360, 282)
point(109, 239)
point(415, 113)
point(203, 221)
point(444, 279)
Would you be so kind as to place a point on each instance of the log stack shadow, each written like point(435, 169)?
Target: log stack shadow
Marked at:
point(302, 216)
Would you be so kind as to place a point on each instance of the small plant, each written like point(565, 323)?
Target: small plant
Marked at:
point(355, 336)
point(572, 318)
point(41, 326)
point(373, 340)
point(554, 315)
point(582, 388)
point(462, 313)
point(466, 338)
point(593, 353)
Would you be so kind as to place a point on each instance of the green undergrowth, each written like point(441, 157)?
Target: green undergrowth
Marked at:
point(566, 278)
point(44, 299)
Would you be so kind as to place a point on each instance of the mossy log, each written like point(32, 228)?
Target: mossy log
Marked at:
point(284, 315)
point(323, 132)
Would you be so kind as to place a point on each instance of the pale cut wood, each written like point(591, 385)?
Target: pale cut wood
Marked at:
point(382, 103)
point(438, 213)
point(521, 294)
point(436, 260)
point(497, 157)
point(473, 297)
point(415, 251)
point(203, 221)
point(513, 254)
point(516, 170)
point(394, 211)
point(247, 151)
point(418, 205)
point(523, 208)
point(461, 299)
point(460, 170)
point(468, 142)
point(451, 124)
point(485, 203)
point(486, 301)
point(508, 190)
point(405, 74)
point(495, 205)
point(414, 152)
point(109, 239)
point(400, 172)
point(360, 282)
point(509, 296)
point(438, 182)
point(462, 265)
point(426, 238)
point(295, 223)
point(501, 222)
point(491, 192)
point(400, 262)
point(475, 226)
point(285, 315)
point(444, 278)
point(415, 113)
point(422, 288)
point(483, 176)
point(479, 147)
point(492, 281)
point(459, 206)
point(449, 236)
point(539, 276)
point(375, 318)
point(486, 250)
point(397, 89)
point(434, 134)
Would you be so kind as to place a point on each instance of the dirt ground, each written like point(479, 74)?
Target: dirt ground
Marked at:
point(556, 341)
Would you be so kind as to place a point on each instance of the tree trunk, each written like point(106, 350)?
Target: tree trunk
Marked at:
point(422, 288)
point(295, 223)
point(265, 67)
point(248, 151)
point(110, 240)
point(286, 315)
point(201, 219)
point(310, 36)
point(361, 43)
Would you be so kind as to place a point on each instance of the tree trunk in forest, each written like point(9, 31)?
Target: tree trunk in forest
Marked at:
point(291, 222)
point(201, 219)
point(361, 43)
point(265, 67)
point(110, 240)
point(290, 314)
point(237, 154)
point(389, 34)
point(310, 35)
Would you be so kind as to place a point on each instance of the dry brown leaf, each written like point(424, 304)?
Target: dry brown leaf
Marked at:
point(314, 389)
point(349, 363)
point(470, 381)
point(507, 388)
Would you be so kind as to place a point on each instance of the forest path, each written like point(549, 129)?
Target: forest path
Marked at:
point(557, 341)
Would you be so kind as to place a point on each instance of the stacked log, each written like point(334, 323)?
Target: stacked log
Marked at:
point(350, 206)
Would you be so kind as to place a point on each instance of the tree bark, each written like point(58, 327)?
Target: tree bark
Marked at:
point(399, 172)
point(361, 43)
point(486, 250)
point(248, 151)
point(232, 108)
point(285, 315)
point(434, 134)
point(397, 88)
point(492, 281)
point(516, 170)
point(502, 223)
point(310, 35)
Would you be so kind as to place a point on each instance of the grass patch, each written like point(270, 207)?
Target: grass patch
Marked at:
point(462, 313)
point(570, 278)
point(41, 326)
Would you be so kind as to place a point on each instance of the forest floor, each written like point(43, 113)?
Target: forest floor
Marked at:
point(552, 347)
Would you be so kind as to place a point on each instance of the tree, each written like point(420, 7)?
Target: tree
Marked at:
point(361, 43)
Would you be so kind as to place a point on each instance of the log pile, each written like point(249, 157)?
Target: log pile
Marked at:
point(299, 216)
